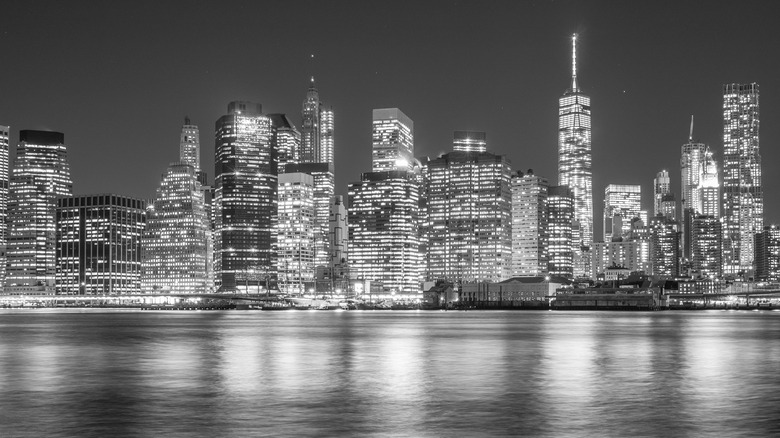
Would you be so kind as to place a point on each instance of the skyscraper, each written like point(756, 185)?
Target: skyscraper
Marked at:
point(768, 254)
point(560, 217)
point(286, 141)
point(529, 224)
point(743, 198)
point(469, 141)
point(574, 151)
point(189, 144)
point(316, 159)
point(99, 244)
point(296, 232)
point(41, 174)
point(665, 247)
point(175, 243)
point(469, 215)
point(4, 142)
point(624, 201)
point(661, 188)
point(393, 140)
point(339, 241)
point(699, 176)
point(383, 231)
point(706, 242)
point(245, 198)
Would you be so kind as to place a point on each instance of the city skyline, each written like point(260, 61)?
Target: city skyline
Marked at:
point(509, 88)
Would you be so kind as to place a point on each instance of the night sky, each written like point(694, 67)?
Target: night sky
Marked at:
point(118, 78)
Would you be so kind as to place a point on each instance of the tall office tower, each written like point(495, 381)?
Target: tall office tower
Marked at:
point(661, 188)
point(245, 199)
point(310, 125)
point(324, 187)
point(743, 199)
point(529, 224)
point(295, 257)
point(316, 159)
point(560, 217)
point(189, 144)
point(574, 150)
point(175, 241)
point(669, 206)
point(707, 233)
point(383, 230)
point(4, 142)
point(327, 138)
point(41, 174)
point(339, 240)
point(393, 140)
point(286, 141)
point(469, 141)
point(99, 244)
point(768, 254)
point(470, 213)
point(624, 201)
point(664, 247)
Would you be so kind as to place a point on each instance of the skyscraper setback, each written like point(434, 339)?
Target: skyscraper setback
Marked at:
point(316, 159)
point(574, 151)
point(743, 198)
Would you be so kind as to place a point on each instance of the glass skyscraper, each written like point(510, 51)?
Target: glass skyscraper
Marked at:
point(295, 257)
point(393, 140)
point(245, 199)
point(574, 151)
point(560, 217)
point(41, 174)
point(743, 197)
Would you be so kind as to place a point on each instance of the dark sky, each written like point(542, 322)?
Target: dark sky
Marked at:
point(118, 78)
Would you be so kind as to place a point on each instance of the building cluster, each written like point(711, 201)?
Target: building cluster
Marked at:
point(271, 219)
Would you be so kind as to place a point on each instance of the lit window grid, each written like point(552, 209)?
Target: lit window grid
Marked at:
point(529, 226)
point(384, 240)
point(31, 254)
point(742, 190)
point(176, 239)
point(574, 157)
point(296, 232)
point(623, 200)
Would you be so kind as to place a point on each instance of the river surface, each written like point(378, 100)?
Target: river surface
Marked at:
point(389, 373)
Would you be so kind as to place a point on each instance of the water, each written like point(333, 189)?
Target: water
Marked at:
point(419, 374)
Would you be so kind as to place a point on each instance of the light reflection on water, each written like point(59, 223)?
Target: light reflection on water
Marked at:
point(92, 373)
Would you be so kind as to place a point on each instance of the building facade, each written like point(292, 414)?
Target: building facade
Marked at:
point(560, 217)
point(393, 140)
point(41, 174)
point(665, 247)
point(469, 213)
point(706, 243)
point(383, 231)
point(529, 225)
point(99, 244)
point(625, 202)
point(245, 199)
point(4, 164)
point(175, 243)
point(768, 254)
point(296, 233)
point(743, 197)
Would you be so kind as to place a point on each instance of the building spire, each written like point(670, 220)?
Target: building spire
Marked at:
point(312, 85)
point(574, 62)
point(690, 136)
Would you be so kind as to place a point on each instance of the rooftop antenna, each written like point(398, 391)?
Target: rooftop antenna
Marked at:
point(574, 62)
point(690, 136)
